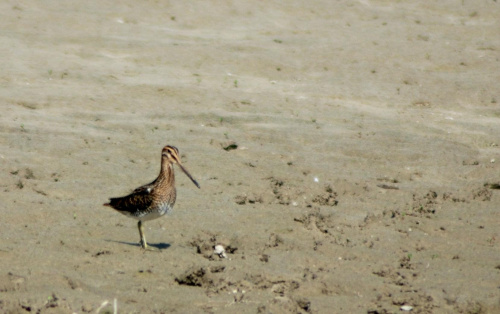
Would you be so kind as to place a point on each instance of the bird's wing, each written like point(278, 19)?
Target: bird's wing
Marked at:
point(138, 200)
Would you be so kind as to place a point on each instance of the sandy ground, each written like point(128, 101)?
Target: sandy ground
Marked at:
point(367, 138)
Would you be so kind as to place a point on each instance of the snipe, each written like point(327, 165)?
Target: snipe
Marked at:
point(155, 199)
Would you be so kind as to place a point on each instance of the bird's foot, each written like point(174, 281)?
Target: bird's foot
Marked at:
point(146, 247)
point(152, 249)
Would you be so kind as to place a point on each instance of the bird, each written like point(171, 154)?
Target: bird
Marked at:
point(153, 200)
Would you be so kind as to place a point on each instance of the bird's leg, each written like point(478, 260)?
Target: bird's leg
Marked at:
point(141, 234)
point(143, 242)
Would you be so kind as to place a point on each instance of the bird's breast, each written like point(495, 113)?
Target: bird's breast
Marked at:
point(155, 212)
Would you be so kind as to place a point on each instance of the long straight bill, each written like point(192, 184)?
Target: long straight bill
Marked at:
point(189, 175)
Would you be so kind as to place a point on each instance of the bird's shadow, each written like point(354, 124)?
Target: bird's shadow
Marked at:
point(159, 246)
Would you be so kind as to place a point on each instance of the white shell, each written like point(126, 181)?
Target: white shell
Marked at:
point(406, 308)
point(219, 250)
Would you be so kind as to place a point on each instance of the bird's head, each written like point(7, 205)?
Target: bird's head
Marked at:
point(171, 154)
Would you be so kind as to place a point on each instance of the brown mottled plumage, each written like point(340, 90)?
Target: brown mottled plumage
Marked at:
point(155, 199)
